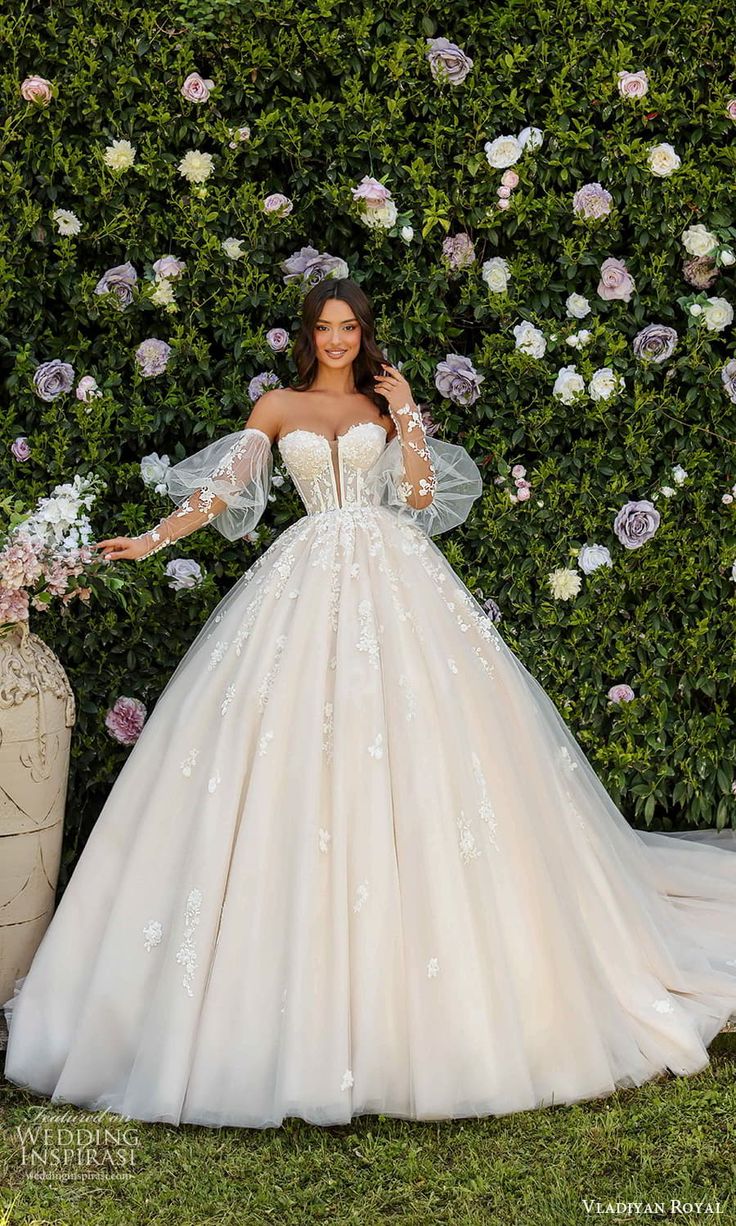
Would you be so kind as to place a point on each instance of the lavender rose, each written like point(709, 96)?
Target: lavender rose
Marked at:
point(371, 192)
point(184, 573)
point(731, 109)
point(168, 266)
point(636, 523)
point(616, 281)
point(118, 281)
point(728, 375)
point(655, 343)
point(590, 557)
point(278, 203)
point(457, 379)
point(124, 721)
point(20, 448)
point(458, 250)
point(53, 378)
point(447, 62)
point(309, 266)
point(277, 339)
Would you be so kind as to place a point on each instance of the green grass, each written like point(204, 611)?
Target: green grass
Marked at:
point(674, 1137)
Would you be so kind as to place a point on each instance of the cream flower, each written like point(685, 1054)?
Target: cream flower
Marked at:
point(568, 384)
point(496, 274)
point(564, 583)
point(67, 223)
point(605, 383)
point(382, 217)
point(577, 306)
point(717, 314)
point(120, 155)
point(698, 240)
point(233, 248)
point(663, 160)
point(196, 166)
point(503, 151)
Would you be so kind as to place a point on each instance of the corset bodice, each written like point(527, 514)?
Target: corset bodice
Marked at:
point(330, 475)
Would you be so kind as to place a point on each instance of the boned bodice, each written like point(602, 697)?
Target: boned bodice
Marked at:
point(330, 475)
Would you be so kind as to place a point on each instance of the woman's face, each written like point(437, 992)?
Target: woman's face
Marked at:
point(337, 334)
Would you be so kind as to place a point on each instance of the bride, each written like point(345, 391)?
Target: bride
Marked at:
point(357, 862)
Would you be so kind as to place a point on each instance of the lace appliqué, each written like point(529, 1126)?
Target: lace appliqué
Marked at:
point(327, 731)
point(152, 934)
point(376, 749)
point(325, 839)
point(187, 954)
point(264, 690)
point(361, 896)
point(415, 426)
point(227, 698)
point(485, 808)
point(368, 640)
point(663, 1006)
point(410, 698)
point(189, 762)
point(433, 968)
point(469, 849)
point(264, 743)
point(347, 1080)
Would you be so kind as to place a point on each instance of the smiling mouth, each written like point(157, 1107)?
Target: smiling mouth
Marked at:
point(336, 353)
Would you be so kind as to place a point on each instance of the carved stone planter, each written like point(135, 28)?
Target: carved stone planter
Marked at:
point(37, 714)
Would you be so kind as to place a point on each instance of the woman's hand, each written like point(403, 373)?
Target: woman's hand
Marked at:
point(395, 388)
point(118, 547)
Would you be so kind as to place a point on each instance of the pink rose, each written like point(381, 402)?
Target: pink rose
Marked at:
point(87, 388)
point(20, 448)
point(36, 89)
point(509, 178)
point(727, 498)
point(504, 192)
point(621, 693)
point(278, 339)
point(278, 203)
point(195, 89)
point(731, 109)
point(633, 84)
point(616, 281)
point(523, 493)
point(518, 470)
point(124, 721)
point(503, 204)
point(371, 192)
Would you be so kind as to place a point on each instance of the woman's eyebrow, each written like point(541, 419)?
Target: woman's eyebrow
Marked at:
point(350, 320)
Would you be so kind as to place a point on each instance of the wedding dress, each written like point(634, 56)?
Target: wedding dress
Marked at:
point(356, 861)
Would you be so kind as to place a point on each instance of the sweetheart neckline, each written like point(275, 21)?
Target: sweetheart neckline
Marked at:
point(330, 441)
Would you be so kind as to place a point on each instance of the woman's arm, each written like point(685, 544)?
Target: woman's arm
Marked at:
point(420, 480)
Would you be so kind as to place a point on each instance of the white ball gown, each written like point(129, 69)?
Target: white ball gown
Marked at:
point(357, 862)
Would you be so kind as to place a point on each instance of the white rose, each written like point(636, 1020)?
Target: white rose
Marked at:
point(727, 257)
point(668, 491)
point(407, 233)
point(529, 339)
point(530, 138)
point(663, 160)
point(503, 151)
point(233, 248)
point(605, 383)
point(496, 273)
point(577, 306)
point(568, 384)
point(583, 336)
point(695, 308)
point(154, 468)
point(698, 241)
point(591, 557)
point(679, 473)
point(717, 314)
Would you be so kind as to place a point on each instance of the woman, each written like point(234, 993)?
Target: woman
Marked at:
point(357, 862)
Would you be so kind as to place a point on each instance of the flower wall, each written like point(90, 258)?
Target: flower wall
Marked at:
point(538, 199)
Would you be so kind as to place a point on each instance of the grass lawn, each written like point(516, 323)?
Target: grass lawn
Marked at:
point(671, 1138)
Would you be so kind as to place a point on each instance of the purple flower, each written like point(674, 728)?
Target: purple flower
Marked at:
point(458, 250)
point(728, 375)
point(616, 281)
point(371, 192)
point(152, 357)
point(118, 281)
point(457, 379)
point(592, 201)
point(184, 573)
point(168, 266)
point(447, 62)
point(309, 266)
point(278, 339)
point(621, 693)
point(124, 721)
point(655, 343)
point(278, 203)
point(260, 383)
point(636, 523)
point(52, 378)
point(490, 607)
point(20, 448)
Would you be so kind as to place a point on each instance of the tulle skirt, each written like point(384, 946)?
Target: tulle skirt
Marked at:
point(358, 863)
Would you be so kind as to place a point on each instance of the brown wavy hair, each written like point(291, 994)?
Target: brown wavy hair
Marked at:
point(370, 358)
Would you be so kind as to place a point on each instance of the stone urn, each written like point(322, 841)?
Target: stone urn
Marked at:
point(37, 714)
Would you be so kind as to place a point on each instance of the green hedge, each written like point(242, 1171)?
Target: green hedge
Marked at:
point(332, 92)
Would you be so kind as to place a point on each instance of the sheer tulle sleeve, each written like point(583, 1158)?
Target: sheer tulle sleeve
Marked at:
point(458, 484)
point(227, 483)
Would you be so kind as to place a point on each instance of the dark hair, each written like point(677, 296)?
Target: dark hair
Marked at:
point(369, 359)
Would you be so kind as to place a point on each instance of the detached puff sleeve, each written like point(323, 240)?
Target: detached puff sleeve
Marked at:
point(227, 483)
point(458, 484)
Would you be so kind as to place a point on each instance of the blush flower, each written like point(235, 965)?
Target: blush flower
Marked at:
point(621, 693)
point(36, 89)
point(195, 89)
point(125, 719)
point(616, 281)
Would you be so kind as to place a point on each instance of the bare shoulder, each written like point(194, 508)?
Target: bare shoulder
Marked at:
point(269, 412)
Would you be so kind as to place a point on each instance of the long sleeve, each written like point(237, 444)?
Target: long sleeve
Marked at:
point(418, 464)
point(227, 483)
